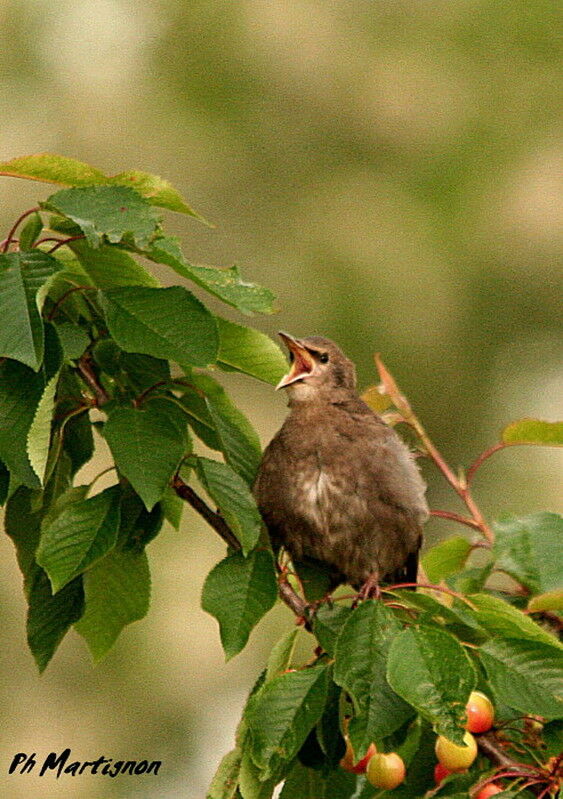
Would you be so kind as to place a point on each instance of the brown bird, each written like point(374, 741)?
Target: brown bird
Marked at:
point(336, 486)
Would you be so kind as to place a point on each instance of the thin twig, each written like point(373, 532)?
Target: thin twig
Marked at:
point(483, 457)
point(63, 297)
point(62, 242)
point(390, 588)
point(456, 517)
point(9, 238)
point(86, 369)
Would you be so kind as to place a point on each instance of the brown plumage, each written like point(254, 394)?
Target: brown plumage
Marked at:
point(336, 485)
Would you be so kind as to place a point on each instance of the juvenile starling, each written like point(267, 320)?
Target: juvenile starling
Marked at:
point(336, 486)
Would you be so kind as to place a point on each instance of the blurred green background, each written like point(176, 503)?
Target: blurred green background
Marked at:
point(392, 170)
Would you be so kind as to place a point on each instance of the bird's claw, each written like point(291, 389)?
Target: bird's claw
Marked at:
point(369, 590)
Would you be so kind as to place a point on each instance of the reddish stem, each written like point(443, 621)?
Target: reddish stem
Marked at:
point(390, 588)
point(86, 369)
point(456, 517)
point(61, 299)
point(62, 242)
point(9, 238)
point(482, 458)
point(139, 400)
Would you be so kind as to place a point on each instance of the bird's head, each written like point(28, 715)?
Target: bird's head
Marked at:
point(319, 369)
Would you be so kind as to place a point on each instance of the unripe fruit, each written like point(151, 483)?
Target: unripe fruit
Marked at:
point(454, 757)
point(386, 771)
point(489, 790)
point(480, 712)
point(440, 773)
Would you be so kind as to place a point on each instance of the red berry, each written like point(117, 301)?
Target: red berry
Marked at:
point(489, 790)
point(480, 712)
point(348, 761)
point(440, 773)
point(386, 771)
point(361, 765)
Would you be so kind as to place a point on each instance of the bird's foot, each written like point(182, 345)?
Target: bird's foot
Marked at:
point(369, 590)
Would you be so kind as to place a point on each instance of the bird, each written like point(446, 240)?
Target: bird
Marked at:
point(337, 487)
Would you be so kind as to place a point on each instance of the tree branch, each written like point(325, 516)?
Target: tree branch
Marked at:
point(296, 603)
point(86, 369)
point(215, 520)
point(491, 748)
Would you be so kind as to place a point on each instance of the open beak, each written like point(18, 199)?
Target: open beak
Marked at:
point(303, 363)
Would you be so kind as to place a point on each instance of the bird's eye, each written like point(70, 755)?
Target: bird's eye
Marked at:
point(324, 357)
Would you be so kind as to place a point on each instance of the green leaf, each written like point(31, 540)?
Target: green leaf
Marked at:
point(143, 371)
point(552, 734)
point(244, 349)
point(29, 233)
point(50, 168)
point(157, 190)
point(499, 618)
point(431, 671)
point(361, 656)
point(530, 549)
point(238, 591)
point(110, 267)
point(117, 592)
point(50, 615)
point(533, 431)
point(327, 624)
point(147, 445)
point(20, 391)
point(138, 525)
point(551, 600)
point(173, 507)
point(447, 557)
point(21, 333)
point(237, 439)
point(250, 785)
point(82, 534)
point(525, 675)
point(73, 338)
point(165, 323)
point(281, 655)
point(39, 435)
point(225, 779)
point(458, 615)
point(22, 525)
point(75, 429)
point(281, 715)
point(234, 499)
point(316, 578)
point(306, 783)
point(199, 418)
point(106, 212)
point(226, 284)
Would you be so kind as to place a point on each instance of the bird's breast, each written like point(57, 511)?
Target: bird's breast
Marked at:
point(324, 498)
